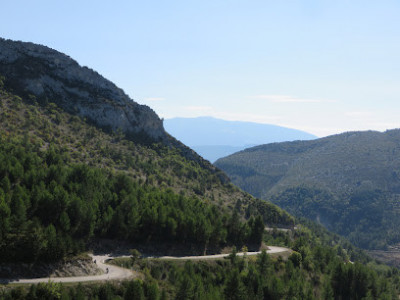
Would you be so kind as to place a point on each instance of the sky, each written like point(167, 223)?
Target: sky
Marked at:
point(324, 67)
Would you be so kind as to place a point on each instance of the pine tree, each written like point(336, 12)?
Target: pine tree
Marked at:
point(5, 214)
point(134, 291)
point(234, 289)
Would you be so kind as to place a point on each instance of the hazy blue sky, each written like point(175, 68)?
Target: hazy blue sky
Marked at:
point(320, 66)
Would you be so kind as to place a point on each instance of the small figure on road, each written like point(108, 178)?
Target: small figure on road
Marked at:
point(94, 261)
point(107, 271)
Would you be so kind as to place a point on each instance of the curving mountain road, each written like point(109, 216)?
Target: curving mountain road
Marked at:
point(117, 273)
point(114, 273)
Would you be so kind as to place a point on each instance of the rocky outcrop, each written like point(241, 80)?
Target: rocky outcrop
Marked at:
point(82, 266)
point(31, 69)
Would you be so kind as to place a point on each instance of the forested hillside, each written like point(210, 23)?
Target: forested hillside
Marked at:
point(64, 182)
point(348, 182)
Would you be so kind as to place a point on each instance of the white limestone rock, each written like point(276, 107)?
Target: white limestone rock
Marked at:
point(37, 70)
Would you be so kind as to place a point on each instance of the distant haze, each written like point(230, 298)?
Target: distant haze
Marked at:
point(215, 138)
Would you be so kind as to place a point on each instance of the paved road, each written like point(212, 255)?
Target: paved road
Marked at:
point(269, 229)
point(117, 273)
point(272, 249)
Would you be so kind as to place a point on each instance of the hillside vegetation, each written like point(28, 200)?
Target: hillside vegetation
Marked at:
point(64, 182)
point(312, 271)
point(348, 182)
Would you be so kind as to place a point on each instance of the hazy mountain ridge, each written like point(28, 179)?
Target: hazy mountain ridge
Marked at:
point(215, 138)
point(329, 180)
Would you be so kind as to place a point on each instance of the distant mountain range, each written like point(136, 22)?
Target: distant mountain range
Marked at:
point(348, 182)
point(215, 138)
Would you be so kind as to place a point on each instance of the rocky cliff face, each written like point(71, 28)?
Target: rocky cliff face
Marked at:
point(49, 75)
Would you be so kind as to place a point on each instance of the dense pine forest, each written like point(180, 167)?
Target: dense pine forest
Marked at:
point(51, 207)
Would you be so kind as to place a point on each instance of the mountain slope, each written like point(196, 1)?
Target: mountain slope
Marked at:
point(214, 138)
point(66, 179)
point(51, 76)
point(348, 182)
